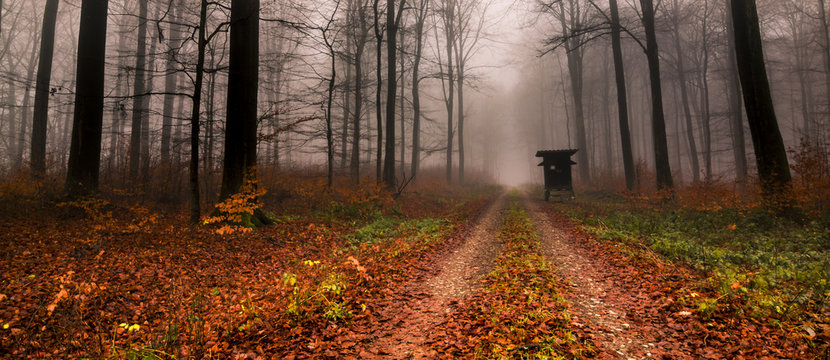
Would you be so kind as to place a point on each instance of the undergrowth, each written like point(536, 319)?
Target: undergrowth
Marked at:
point(758, 263)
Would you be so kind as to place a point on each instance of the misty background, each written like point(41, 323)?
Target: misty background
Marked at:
point(518, 61)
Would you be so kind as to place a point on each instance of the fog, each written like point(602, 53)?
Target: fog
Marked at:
point(536, 75)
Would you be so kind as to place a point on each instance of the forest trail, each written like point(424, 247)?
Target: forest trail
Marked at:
point(616, 304)
point(426, 303)
point(599, 299)
point(590, 289)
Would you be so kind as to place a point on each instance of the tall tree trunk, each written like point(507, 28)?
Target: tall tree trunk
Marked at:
point(354, 166)
point(138, 91)
point(347, 103)
point(684, 96)
point(329, 133)
point(401, 98)
point(449, 30)
point(118, 113)
point(241, 124)
point(606, 90)
point(704, 97)
point(85, 149)
point(66, 138)
point(27, 99)
point(209, 124)
point(11, 100)
point(416, 96)
point(574, 55)
point(378, 90)
point(360, 45)
point(145, 115)
point(170, 84)
point(44, 76)
point(735, 108)
point(391, 92)
point(770, 153)
point(193, 176)
point(460, 86)
point(658, 125)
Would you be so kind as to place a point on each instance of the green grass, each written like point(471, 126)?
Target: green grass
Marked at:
point(777, 266)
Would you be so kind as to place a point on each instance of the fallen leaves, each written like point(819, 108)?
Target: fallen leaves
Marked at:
point(65, 287)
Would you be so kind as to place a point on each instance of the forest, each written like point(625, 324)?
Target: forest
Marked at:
point(360, 179)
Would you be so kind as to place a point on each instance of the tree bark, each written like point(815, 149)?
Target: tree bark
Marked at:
point(449, 30)
point(770, 153)
point(658, 126)
point(85, 148)
point(145, 106)
point(44, 76)
point(243, 70)
point(391, 92)
point(360, 45)
point(27, 98)
point(378, 90)
point(329, 125)
point(460, 86)
point(574, 56)
point(735, 108)
point(138, 91)
point(416, 96)
point(402, 105)
point(195, 113)
point(170, 84)
point(347, 103)
point(11, 99)
point(704, 97)
point(118, 114)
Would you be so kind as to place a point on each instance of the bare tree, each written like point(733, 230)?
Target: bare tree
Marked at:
point(360, 35)
point(171, 77)
point(470, 30)
point(573, 22)
point(677, 15)
point(378, 90)
point(447, 12)
point(422, 10)
point(138, 91)
point(393, 20)
point(44, 75)
point(201, 43)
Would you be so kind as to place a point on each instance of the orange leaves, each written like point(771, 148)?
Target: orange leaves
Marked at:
point(351, 260)
point(62, 294)
point(234, 213)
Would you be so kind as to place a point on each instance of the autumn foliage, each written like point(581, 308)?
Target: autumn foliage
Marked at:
point(114, 277)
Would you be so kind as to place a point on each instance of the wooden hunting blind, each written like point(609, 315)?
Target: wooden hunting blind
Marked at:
point(556, 165)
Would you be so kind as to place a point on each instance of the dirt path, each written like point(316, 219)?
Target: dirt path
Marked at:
point(426, 303)
point(594, 298)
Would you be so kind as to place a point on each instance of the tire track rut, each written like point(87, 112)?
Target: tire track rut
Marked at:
point(428, 302)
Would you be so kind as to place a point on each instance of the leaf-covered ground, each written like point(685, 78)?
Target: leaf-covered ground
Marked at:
point(436, 273)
